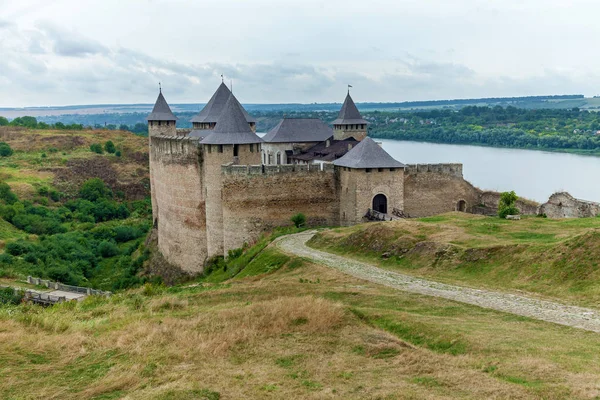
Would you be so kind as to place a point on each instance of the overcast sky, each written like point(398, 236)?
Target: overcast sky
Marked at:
point(64, 52)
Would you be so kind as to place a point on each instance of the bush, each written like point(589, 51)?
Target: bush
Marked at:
point(8, 296)
point(94, 189)
point(299, 220)
point(506, 206)
point(109, 147)
point(96, 148)
point(5, 150)
point(118, 153)
point(6, 194)
point(108, 249)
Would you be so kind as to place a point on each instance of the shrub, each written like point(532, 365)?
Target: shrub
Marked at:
point(5, 150)
point(299, 220)
point(109, 147)
point(94, 189)
point(506, 206)
point(96, 148)
point(8, 296)
point(108, 249)
point(44, 155)
point(127, 233)
point(6, 194)
point(118, 153)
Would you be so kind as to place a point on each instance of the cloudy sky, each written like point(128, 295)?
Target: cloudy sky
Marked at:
point(63, 52)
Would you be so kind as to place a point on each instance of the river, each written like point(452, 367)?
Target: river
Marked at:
point(531, 174)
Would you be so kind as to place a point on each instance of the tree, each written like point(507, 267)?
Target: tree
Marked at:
point(506, 206)
point(3, 121)
point(299, 220)
point(5, 150)
point(109, 147)
point(94, 189)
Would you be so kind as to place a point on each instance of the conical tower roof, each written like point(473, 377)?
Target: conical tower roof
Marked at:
point(161, 110)
point(368, 154)
point(212, 110)
point(349, 113)
point(232, 127)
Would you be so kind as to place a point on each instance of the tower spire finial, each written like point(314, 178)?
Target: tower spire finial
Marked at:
point(159, 88)
point(222, 79)
point(231, 85)
point(349, 86)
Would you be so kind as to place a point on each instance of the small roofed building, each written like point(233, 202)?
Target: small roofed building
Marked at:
point(325, 152)
point(291, 136)
point(232, 141)
point(207, 118)
point(349, 122)
point(371, 182)
point(161, 120)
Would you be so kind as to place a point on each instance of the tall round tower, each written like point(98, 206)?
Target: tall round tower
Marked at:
point(349, 122)
point(231, 141)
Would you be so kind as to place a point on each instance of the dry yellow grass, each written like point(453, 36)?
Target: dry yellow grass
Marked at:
point(307, 332)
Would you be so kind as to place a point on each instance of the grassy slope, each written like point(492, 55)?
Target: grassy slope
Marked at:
point(300, 331)
point(557, 258)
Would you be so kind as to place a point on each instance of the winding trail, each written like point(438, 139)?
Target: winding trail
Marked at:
point(577, 317)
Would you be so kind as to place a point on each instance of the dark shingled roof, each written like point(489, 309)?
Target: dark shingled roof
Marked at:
point(349, 113)
point(199, 133)
point(298, 130)
point(232, 127)
point(322, 152)
point(212, 110)
point(368, 154)
point(161, 110)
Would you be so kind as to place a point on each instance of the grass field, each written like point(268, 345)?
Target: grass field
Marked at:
point(551, 258)
point(288, 330)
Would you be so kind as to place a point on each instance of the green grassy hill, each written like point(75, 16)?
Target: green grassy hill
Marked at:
point(557, 258)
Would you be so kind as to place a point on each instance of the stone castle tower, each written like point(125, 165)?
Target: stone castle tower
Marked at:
point(349, 122)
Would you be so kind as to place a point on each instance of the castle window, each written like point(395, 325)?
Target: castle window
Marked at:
point(278, 158)
point(251, 148)
point(368, 170)
point(392, 169)
point(158, 123)
point(264, 158)
point(220, 148)
point(379, 169)
point(209, 148)
point(362, 126)
point(236, 150)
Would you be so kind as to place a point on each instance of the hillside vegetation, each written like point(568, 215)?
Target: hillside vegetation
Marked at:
point(557, 258)
point(74, 206)
point(288, 329)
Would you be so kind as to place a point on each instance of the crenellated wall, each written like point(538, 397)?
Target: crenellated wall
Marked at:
point(258, 198)
point(431, 189)
point(178, 200)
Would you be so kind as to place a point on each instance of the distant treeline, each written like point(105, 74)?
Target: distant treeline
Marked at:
point(429, 103)
point(33, 123)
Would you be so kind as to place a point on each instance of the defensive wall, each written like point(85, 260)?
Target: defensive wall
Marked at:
point(178, 200)
point(258, 198)
point(563, 205)
point(489, 201)
point(431, 189)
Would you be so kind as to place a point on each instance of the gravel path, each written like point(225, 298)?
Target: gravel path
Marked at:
point(577, 317)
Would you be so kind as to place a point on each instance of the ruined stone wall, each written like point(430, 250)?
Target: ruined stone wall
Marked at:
point(489, 201)
point(431, 189)
point(215, 156)
point(258, 198)
point(178, 201)
point(358, 188)
point(563, 205)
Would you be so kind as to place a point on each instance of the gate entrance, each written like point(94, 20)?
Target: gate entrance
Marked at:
point(380, 203)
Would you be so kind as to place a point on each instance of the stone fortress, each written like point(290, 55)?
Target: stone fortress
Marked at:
point(220, 186)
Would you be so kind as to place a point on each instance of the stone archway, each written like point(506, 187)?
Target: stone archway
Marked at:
point(461, 206)
point(380, 203)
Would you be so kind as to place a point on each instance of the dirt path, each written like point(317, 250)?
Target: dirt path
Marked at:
point(578, 317)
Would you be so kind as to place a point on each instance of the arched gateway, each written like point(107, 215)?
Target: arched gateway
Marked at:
point(380, 203)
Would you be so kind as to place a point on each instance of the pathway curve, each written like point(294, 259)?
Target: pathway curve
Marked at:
point(578, 317)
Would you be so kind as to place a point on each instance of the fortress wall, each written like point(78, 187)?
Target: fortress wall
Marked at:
point(255, 202)
point(178, 201)
point(431, 189)
point(489, 200)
